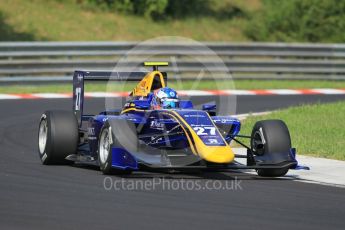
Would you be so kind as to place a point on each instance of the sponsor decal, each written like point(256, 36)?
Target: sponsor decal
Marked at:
point(200, 125)
point(80, 77)
point(91, 131)
point(212, 140)
point(156, 141)
point(77, 98)
point(127, 105)
point(156, 124)
point(133, 119)
point(194, 115)
point(225, 120)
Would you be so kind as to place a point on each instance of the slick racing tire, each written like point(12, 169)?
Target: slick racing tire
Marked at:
point(58, 136)
point(116, 133)
point(270, 137)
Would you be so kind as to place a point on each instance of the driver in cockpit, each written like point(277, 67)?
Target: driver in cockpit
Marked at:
point(165, 98)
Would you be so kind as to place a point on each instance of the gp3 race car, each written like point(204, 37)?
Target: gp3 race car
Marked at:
point(138, 137)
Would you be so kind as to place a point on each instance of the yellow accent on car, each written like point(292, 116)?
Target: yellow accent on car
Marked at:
point(132, 109)
point(215, 154)
point(188, 137)
point(153, 63)
point(144, 87)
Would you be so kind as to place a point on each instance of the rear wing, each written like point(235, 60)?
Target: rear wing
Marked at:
point(80, 76)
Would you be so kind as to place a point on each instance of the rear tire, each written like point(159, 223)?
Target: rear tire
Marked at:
point(57, 136)
point(124, 135)
point(270, 137)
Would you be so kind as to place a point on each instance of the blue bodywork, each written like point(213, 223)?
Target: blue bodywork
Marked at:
point(153, 125)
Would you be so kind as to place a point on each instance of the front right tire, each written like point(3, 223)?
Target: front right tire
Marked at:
point(270, 137)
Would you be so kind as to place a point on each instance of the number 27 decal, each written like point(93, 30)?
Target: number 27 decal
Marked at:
point(77, 100)
point(203, 131)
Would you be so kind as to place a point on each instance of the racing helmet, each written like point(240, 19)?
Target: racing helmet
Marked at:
point(165, 98)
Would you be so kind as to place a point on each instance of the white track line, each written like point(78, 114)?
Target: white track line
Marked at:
point(101, 94)
point(9, 96)
point(195, 93)
point(285, 91)
point(51, 95)
point(183, 93)
point(239, 92)
point(329, 91)
point(245, 115)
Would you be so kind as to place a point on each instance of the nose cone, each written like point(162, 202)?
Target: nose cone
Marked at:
point(217, 154)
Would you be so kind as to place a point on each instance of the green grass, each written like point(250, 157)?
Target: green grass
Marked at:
point(316, 130)
point(185, 85)
point(67, 21)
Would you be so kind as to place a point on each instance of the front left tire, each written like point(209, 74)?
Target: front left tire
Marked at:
point(116, 133)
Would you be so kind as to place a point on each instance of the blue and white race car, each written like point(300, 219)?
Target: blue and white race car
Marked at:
point(155, 130)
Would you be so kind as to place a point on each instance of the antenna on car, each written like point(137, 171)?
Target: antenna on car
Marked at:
point(156, 64)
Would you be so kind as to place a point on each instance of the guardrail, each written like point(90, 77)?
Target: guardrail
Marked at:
point(42, 60)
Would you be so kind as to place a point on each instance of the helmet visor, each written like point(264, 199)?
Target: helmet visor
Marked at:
point(170, 104)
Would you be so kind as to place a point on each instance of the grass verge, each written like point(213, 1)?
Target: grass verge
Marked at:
point(68, 21)
point(185, 85)
point(316, 130)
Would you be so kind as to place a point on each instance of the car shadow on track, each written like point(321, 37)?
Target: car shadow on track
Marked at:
point(229, 175)
point(195, 174)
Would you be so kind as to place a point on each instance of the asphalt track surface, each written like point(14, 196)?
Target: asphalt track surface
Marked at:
point(33, 196)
